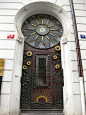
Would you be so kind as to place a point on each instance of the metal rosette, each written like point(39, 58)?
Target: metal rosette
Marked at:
point(28, 62)
point(57, 48)
point(29, 53)
point(54, 57)
point(24, 67)
point(57, 66)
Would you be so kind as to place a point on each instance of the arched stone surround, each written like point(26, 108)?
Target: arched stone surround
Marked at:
point(21, 16)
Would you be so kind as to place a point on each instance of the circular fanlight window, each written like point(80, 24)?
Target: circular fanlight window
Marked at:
point(42, 31)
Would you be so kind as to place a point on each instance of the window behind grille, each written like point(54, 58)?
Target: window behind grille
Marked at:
point(42, 71)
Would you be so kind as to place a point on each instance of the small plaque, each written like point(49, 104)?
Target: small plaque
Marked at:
point(1, 72)
point(11, 36)
point(83, 36)
point(1, 66)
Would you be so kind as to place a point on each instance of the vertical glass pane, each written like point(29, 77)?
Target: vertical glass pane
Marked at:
point(42, 61)
point(42, 71)
point(42, 66)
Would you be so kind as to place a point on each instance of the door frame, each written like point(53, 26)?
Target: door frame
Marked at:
point(25, 12)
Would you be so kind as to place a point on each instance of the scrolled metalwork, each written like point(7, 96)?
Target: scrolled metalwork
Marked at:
point(58, 77)
point(25, 81)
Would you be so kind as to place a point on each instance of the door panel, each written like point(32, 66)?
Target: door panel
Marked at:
point(41, 84)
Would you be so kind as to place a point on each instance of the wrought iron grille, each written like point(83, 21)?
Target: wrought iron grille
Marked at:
point(42, 71)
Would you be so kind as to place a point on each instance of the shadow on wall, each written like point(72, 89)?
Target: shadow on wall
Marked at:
point(0, 88)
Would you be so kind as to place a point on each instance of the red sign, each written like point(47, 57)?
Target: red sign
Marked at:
point(11, 36)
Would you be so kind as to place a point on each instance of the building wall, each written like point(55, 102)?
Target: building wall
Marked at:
point(8, 48)
point(80, 13)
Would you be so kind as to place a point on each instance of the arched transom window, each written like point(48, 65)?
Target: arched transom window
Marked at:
point(42, 31)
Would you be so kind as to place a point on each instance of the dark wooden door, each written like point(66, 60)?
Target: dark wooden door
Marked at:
point(41, 84)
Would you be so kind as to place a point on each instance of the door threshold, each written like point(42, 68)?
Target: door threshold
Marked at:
point(41, 110)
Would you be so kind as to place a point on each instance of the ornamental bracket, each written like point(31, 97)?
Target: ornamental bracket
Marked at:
point(64, 40)
point(20, 39)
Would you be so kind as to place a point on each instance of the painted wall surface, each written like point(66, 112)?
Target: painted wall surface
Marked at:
point(9, 51)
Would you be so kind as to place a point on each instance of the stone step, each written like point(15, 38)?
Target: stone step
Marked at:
point(42, 112)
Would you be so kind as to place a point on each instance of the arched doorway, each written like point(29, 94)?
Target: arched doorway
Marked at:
point(21, 16)
point(42, 77)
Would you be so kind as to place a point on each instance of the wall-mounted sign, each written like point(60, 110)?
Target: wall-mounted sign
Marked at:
point(1, 66)
point(11, 36)
point(83, 36)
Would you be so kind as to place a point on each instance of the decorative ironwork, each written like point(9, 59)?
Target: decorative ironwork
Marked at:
point(54, 57)
point(41, 94)
point(57, 48)
point(29, 53)
point(58, 77)
point(57, 66)
point(51, 83)
point(48, 104)
point(38, 97)
point(42, 71)
point(32, 81)
point(28, 62)
point(47, 94)
point(42, 31)
point(24, 67)
point(25, 92)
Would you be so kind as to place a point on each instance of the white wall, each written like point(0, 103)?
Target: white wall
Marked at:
point(8, 10)
point(80, 13)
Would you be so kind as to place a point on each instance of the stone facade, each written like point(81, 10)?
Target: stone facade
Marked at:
point(12, 51)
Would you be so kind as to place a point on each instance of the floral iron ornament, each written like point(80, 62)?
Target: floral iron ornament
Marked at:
point(28, 62)
point(57, 66)
point(57, 48)
point(24, 67)
point(54, 57)
point(29, 53)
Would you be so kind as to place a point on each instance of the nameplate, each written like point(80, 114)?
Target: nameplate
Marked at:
point(83, 36)
point(1, 66)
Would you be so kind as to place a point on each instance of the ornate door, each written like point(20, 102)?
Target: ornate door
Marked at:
point(41, 79)
point(41, 84)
